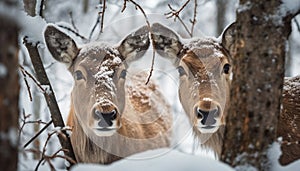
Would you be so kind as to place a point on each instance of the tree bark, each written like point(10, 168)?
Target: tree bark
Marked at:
point(221, 13)
point(56, 117)
point(258, 67)
point(9, 94)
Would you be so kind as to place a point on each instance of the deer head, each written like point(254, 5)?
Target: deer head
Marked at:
point(99, 72)
point(204, 68)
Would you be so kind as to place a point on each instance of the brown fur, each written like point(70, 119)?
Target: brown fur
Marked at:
point(199, 60)
point(289, 121)
point(113, 115)
point(154, 133)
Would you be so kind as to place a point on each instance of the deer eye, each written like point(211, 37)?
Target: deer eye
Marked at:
point(181, 71)
point(78, 75)
point(123, 74)
point(226, 68)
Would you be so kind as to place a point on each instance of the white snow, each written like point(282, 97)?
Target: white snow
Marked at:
point(46, 89)
point(30, 26)
point(159, 160)
point(291, 6)
point(116, 26)
point(274, 154)
point(3, 70)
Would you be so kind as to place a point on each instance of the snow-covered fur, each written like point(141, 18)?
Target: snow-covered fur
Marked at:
point(113, 114)
point(204, 70)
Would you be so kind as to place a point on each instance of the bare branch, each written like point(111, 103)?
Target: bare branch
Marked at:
point(73, 31)
point(174, 13)
point(102, 15)
point(137, 6)
point(27, 85)
point(41, 8)
point(94, 27)
point(32, 77)
point(37, 134)
point(72, 21)
point(194, 17)
point(297, 24)
point(23, 122)
point(49, 96)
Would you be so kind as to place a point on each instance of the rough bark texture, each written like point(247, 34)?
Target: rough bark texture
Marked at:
point(289, 121)
point(258, 67)
point(9, 95)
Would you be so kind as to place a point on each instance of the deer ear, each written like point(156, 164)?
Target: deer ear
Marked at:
point(228, 36)
point(135, 44)
point(61, 46)
point(167, 42)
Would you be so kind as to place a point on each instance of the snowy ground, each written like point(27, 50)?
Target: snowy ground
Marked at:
point(185, 154)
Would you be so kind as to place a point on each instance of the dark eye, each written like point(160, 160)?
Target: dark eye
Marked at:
point(226, 68)
point(181, 71)
point(123, 74)
point(78, 75)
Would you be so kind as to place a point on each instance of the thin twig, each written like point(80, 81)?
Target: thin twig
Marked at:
point(32, 77)
point(94, 27)
point(137, 6)
point(102, 16)
point(23, 122)
point(72, 21)
point(73, 31)
point(27, 85)
point(41, 8)
point(194, 18)
point(37, 134)
point(297, 24)
point(175, 14)
point(185, 26)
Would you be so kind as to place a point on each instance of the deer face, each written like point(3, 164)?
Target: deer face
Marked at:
point(99, 73)
point(204, 70)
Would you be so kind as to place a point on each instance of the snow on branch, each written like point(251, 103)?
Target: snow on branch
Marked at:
point(50, 98)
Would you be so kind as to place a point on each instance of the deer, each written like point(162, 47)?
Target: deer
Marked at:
point(204, 81)
point(112, 114)
point(204, 67)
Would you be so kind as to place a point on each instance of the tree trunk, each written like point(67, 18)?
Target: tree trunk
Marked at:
point(258, 67)
point(221, 13)
point(9, 94)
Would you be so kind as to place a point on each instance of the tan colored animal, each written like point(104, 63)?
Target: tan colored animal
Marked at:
point(112, 115)
point(204, 68)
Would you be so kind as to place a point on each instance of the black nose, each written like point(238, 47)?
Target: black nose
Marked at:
point(105, 118)
point(207, 117)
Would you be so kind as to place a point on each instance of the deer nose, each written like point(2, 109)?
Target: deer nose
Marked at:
point(105, 118)
point(207, 116)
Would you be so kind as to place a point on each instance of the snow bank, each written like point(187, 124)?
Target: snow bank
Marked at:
point(170, 160)
point(274, 154)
